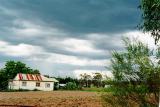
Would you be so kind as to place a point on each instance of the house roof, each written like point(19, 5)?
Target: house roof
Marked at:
point(33, 77)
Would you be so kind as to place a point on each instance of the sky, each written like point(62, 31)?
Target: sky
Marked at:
point(67, 37)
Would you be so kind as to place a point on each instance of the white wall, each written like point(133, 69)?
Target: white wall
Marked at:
point(31, 85)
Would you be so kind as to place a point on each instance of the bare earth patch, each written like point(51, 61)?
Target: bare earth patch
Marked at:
point(50, 99)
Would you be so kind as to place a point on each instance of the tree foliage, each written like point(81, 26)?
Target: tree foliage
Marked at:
point(71, 86)
point(136, 74)
point(67, 79)
point(151, 17)
point(85, 80)
point(97, 79)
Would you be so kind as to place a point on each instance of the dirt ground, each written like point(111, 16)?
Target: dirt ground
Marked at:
point(50, 99)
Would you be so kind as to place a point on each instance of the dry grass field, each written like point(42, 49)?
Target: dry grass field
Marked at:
point(50, 99)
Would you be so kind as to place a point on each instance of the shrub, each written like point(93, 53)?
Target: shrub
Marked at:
point(71, 86)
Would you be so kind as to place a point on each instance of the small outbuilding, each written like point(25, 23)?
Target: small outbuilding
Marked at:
point(32, 82)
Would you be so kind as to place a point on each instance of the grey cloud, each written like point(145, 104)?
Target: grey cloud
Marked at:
point(63, 69)
point(73, 19)
point(81, 15)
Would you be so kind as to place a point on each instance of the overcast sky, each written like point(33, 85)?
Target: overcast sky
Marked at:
point(65, 37)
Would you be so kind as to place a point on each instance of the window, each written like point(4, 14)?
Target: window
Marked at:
point(24, 83)
point(47, 85)
point(37, 84)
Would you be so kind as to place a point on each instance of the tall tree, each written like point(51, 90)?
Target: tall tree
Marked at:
point(136, 75)
point(3, 80)
point(12, 68)
point(86, 79)
point(151, 20)
point(151, 17)
point(97, 79)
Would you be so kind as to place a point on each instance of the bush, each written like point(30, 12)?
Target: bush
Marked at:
point(71, 86)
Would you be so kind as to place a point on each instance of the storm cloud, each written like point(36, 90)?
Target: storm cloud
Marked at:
point(61, 38)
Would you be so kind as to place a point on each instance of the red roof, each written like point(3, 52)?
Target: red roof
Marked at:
point(31, 77)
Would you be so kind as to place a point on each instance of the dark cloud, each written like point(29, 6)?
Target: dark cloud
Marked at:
point(58, 20)
point(81, 16)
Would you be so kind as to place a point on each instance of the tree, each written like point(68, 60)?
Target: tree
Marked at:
point(10, 71)
point(136, 75)
point(151, 17)
point(3, 80)
point(67, 79)
point(97, 79)
point(12, 68)
point(36, 71)
point(85, 79)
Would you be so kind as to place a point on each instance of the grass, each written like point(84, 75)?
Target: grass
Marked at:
point(92, 89)
point(18, 90)
point(95, 89)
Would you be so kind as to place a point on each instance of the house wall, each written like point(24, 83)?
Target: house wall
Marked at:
point(31, 85)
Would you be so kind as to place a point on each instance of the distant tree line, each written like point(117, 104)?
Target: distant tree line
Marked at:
point(10, 71)
point(70, 83)
point(65, 80)
point(85, 80)
point(96, 80)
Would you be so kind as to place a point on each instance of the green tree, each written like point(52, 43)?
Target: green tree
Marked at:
point(36, 71)
point(97, 79)
point(85, 79)
point(71, 86)
point(151, 17)
point(136, 75)
point(67, 79)
point(12, 68)
point(3, 80)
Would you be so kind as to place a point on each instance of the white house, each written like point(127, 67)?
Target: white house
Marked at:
point(31, 82)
